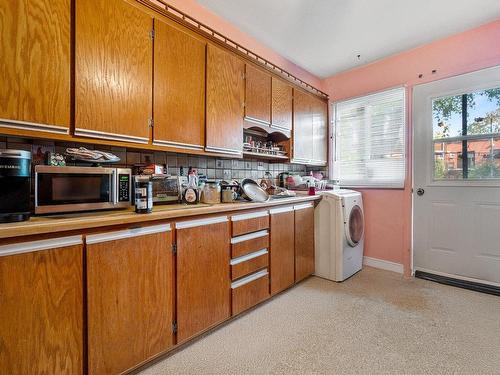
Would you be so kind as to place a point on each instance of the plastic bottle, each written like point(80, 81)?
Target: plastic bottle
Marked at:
point(191, 194)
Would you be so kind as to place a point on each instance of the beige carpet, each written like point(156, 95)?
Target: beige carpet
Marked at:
point(374, 323)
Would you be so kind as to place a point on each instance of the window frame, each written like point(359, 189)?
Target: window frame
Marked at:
point(334, 161)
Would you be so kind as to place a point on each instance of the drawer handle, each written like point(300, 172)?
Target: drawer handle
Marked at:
point(280, 210)
point(127, 233)
point(252, 215)
point(201, 222)
point(247, 257)
point(249, 279)
point(249, 236)
point(29, 247)
point(302, 206)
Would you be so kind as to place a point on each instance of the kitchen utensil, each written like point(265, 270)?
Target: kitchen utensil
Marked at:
point(253, 191)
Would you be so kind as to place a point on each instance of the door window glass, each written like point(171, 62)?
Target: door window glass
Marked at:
point(467, 127)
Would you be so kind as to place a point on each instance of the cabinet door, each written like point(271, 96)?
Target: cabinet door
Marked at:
point(203, 275)
point(282, 105)
point(320, 132)
point(302, 128)
point(282, 253)
point(257, 95)
point(304, 240)
point(225, 95)
point(41, 304)
point(113, 71)
point(35, 63)
point(129, 297)
point(179, 89)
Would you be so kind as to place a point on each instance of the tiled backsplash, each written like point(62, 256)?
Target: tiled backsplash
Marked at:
point(213, 168)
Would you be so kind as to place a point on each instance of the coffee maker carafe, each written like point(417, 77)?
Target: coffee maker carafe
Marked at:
point(15, 185)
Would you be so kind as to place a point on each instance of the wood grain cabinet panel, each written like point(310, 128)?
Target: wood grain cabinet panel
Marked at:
point(320, 131)
point(35, 63)
point(203, 275)
point(113, 70)
point(41, 305)
point(304, 242)
point(255, 263)
point(248, 246)
point(282, 104)
point(225, 97)
point(257, 95)
point(250, 294)
point(282, 254)
point(179, 88)
point(302, 128)
point(247, 223)
point(130, 298)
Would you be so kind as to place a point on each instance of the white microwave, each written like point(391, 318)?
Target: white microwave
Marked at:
point(73, 189)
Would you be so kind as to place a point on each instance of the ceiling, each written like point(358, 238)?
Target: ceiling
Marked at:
point(325, 37)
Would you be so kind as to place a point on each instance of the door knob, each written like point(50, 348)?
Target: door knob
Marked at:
point(420, 191)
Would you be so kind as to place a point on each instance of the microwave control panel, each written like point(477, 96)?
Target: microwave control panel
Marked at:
point(123, 188)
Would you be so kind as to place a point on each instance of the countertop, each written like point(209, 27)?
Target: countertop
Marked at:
point(74, 221)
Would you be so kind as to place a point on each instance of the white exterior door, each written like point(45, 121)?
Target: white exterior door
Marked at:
point(456, 221)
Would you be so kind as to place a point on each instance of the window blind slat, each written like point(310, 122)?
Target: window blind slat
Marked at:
point(370, 133)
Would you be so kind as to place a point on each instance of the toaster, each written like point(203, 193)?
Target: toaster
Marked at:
point(166, 188)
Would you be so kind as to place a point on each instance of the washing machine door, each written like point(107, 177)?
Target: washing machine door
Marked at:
point(355, 226)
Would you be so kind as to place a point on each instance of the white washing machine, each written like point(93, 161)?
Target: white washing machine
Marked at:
point(339, 234)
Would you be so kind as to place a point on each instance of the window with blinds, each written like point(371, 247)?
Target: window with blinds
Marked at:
point(370, 140)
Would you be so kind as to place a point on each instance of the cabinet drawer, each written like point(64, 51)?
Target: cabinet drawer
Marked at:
point(248, 223)
point(249, 243)
point(249, 291)
point(247, 264)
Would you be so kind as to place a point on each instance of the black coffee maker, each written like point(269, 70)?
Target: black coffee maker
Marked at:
point(15, 185)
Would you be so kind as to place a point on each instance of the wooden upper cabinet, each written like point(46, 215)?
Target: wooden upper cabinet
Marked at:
point(257, 95)
point(282, 256)
point(302, 128)
point(282, 98)
point(113, 71)
point(179, 88)
point(35, 64)
point(41, 307)
point(203, 275)
point(225, 99)
point(320, 132)
point(304, 241)
point(130, 289)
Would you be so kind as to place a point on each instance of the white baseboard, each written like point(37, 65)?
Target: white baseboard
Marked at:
point(383, 264)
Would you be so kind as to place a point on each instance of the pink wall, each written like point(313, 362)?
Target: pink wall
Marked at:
point(388, 212)
point(204, 15)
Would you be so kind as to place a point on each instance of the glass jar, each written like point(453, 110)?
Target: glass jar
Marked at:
point(211, 192)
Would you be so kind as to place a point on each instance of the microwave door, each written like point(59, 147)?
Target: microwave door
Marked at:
point(81, 189)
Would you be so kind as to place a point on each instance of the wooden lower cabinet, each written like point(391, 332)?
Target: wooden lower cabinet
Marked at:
point(282, 254)
point(41, 307)
point(203, 275)
point(250, 291)
point(129, 297)
point(248, 223)
point(304, 241)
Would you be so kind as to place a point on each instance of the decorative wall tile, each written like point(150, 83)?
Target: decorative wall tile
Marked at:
point(212, 167)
